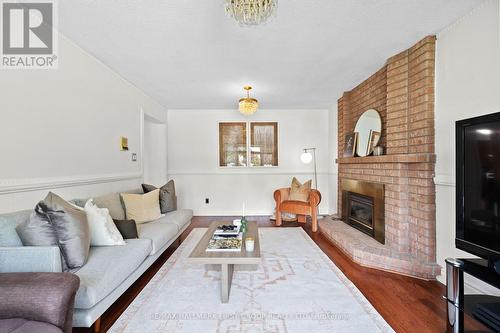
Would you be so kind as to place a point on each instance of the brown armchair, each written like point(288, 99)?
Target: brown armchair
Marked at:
point(37, 302)
point(300, 208)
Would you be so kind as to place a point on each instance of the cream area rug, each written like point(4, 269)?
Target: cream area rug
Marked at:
point(295, 289)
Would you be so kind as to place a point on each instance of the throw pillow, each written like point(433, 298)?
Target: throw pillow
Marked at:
point(37, 230)
point(72, 229)
point(113, 203)
point(168, 200)
point(58, 222)
point(103, 231)
point(127, 228)
point(300, 192)
point(142, 207)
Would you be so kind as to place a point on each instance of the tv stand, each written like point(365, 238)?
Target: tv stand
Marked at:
point(459, 304)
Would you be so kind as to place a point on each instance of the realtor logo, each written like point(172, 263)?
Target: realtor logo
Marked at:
point(28, 35)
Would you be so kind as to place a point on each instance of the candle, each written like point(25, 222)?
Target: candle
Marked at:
point(243, 209)
point(249, 244)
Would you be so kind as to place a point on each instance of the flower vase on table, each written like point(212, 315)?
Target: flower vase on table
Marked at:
point(244, 225)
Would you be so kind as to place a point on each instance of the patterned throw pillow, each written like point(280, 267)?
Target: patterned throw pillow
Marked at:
point(300, 192)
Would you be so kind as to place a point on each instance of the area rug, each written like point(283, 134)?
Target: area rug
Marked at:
point(295, 289)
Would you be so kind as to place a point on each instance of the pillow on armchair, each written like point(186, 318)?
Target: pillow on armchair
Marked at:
point(298, 191)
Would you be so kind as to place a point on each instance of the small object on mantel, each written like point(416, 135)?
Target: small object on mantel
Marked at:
point(378, 151)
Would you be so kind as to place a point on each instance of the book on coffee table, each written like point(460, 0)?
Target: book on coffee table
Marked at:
point(224, 244)
point(227, 230)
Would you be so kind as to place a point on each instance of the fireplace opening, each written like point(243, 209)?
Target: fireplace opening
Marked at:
point(360, 212)
point(362, 207)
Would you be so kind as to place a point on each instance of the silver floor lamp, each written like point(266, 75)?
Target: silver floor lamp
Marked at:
point(306, 157)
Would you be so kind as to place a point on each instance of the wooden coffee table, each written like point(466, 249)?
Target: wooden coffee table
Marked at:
point(225, 261)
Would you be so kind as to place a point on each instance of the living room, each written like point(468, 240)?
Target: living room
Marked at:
point(334, 136)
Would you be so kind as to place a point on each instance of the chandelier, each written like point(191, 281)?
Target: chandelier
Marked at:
point(251, 12)
point(247, 105)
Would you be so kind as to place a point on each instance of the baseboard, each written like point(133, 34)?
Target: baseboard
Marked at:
point(238, 213)
point(231, 213)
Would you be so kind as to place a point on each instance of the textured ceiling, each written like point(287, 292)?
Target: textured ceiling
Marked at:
point(188, 54)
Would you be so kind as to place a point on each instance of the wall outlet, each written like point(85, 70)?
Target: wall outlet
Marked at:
point(207, 201)
point(134, 157)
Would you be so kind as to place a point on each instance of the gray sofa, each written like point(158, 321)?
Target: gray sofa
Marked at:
point(109, 270)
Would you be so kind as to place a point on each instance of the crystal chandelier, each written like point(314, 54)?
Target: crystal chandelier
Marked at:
point(251, 12)
point(247, 105)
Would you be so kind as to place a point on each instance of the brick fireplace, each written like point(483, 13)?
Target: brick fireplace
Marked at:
point(402, 92)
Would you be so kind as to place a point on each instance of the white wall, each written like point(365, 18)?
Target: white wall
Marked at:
point(193, 160)
point(155, 152)
point(60, 129)
point(467, 85)
point(333, 167)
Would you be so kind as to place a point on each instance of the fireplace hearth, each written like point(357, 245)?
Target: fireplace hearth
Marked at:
point(364, 207)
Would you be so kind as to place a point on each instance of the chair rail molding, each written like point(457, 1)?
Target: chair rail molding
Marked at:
point(441, 179)
point(34, 184)
point(255, 171)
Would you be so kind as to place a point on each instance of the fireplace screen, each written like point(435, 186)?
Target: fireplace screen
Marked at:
point(363, 207)
point(360, 212)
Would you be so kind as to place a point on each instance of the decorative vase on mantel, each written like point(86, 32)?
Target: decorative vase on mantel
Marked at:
point(378, 151)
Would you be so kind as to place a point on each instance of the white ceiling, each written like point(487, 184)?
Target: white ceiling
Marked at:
point(189, 55)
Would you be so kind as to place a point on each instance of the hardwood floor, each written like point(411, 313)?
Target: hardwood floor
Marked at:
point(407, 304)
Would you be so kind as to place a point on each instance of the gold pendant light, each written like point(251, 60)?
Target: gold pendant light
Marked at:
point(247, 105)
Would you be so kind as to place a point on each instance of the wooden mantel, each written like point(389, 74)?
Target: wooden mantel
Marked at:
point(397, 158)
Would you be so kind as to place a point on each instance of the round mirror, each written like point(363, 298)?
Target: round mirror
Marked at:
point(368, 127)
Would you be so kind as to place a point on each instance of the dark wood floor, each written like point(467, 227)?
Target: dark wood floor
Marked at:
point(407, 304)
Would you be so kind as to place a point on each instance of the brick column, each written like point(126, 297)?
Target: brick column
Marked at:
point(402, 92)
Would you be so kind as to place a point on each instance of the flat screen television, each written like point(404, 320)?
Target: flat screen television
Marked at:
point(478, 187)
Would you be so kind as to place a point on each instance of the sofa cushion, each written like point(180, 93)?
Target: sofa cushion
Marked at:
point(159, 232)
point(107, 267)
point(113, 203)
point(20, 325)
point(8, 224)
point(180, 217)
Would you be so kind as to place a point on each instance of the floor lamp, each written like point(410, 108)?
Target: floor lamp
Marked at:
point(306, 157)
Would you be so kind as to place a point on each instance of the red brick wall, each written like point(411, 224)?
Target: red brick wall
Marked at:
point(403, 93)
point(370, 94)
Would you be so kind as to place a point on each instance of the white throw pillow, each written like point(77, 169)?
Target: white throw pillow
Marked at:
point(103, 231)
